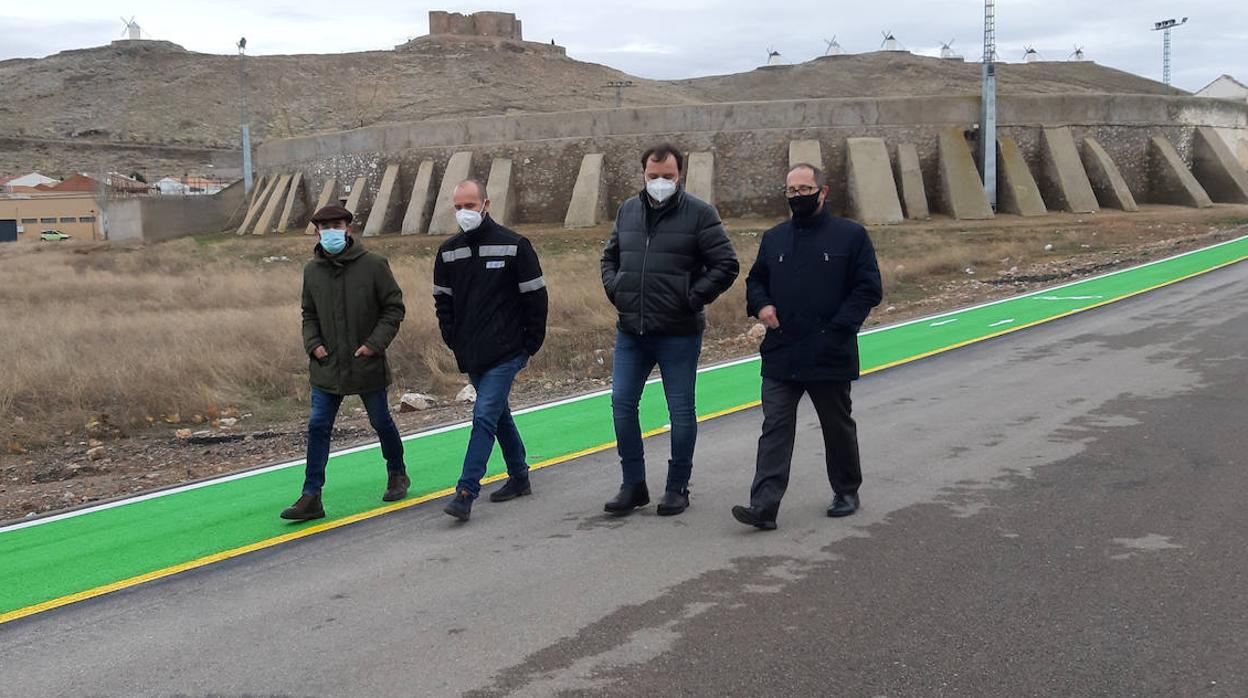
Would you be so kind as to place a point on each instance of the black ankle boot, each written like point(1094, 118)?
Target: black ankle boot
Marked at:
point(511, 489)
point(627, 499)
point(461, 506)
point(674, 502)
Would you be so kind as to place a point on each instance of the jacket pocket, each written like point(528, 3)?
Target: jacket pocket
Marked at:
point(835, 348)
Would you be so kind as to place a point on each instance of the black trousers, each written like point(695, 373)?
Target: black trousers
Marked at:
point(775, 446)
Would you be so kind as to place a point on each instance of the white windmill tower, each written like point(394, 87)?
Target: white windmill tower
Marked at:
point(834, 49)
point(890, 42)
point(132, 30)
point(1030, 55)
point(946, 51)
point(1077, 54)
point(773, 56)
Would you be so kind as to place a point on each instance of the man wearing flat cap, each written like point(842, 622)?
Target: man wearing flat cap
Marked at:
point(352, 308)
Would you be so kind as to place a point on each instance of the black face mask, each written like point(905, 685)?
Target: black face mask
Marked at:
point(804, 206)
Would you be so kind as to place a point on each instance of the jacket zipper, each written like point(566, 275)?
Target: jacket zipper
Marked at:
point(642, 310)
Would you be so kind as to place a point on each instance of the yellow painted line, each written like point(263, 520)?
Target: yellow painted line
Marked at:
point(373, 513)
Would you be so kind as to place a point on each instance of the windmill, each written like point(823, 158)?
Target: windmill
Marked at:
point(1030, 55)
point(132, 29)
point(1077, 54)
point(946, 50)
point(834, 49)
point(773, 56)
point(890, 42)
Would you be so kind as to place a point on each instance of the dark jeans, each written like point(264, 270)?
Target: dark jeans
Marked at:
point(321, 425)
point(491, 419)
point(775, 446)
point(677, 359)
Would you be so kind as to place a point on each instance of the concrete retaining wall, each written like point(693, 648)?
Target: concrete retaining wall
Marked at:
point(160, 218)
point(750, 142)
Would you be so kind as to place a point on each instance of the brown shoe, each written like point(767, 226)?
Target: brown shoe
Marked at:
point(396, 487)
point(307, 507)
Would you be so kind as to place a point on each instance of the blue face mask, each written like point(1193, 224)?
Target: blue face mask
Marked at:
point(333, 240)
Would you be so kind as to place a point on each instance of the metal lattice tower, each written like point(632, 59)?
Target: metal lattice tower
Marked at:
point(1164, 27)
point(1165, 58)
point(988, 105)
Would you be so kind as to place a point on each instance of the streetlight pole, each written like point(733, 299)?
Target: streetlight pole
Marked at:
point(988, 106)
point(242, 90)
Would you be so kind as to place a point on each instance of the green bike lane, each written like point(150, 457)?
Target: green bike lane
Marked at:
point(50, 562)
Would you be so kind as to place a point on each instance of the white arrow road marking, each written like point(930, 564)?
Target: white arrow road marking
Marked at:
point(942, 322)
point(1002, 322)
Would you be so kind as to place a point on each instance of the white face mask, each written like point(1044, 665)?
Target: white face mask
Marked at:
point(660, 189)
point(468, 220)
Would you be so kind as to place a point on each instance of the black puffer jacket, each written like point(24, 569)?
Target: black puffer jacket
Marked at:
point(663, 264)
point(490, 296)
point(821, 275)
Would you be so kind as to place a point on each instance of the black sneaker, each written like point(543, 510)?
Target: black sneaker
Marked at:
point(396, 487)
point(673, 502)
point(843, 505)
point(629, 498)
point(753, 517)
point(511, 489)
point(305, 508)
point(461, 506)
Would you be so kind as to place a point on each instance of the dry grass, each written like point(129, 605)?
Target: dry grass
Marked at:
point(191, 326)
point(186, 329)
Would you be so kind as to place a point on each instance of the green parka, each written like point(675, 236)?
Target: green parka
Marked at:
point(350, 299)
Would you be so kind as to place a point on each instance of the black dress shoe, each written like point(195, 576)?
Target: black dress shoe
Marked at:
point(511, 489)
point(396, 487)
point(461, 506)
point(753, 517)
point(627, 499)
point(673, 502)
point(843, 505)
point(305, 508)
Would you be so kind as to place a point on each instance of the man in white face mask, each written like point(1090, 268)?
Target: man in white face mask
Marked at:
point(490, 298)
point(668, 257)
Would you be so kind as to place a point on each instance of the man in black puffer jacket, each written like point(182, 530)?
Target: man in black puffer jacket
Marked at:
point(815, 281)
point(490, 298)
point(668, 257)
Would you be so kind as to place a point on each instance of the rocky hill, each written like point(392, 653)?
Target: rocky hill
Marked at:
point(895, 74)
point(135, 95)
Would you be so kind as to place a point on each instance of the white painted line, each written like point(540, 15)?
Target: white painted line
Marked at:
point(942, 323)
point(1051, 289)
point(1070, 298)
point(462, 425)
point(999, 323)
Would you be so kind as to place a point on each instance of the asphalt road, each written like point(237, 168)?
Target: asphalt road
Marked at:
point(1059, 512)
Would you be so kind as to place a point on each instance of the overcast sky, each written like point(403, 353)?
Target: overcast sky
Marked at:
point(672, 38)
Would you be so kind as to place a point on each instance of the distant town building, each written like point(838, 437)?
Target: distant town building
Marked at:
point(169, 186)
point(75, 214)
point(189, 186)
point(24, 183)
point(35, 203)
point(1225, 87)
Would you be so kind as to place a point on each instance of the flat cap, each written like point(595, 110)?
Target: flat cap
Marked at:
point(332, 213)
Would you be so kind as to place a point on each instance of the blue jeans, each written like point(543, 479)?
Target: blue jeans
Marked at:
point(677, 359)
point(491, 419)
point(321, 425)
